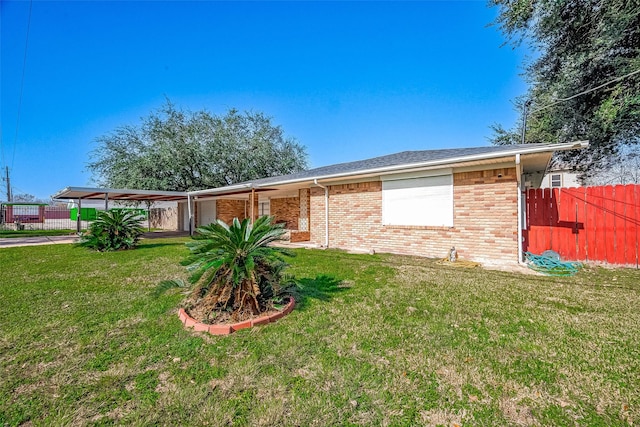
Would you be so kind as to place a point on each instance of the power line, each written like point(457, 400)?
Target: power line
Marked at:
point(24, 67)
point(557, 101)
point(525, 108)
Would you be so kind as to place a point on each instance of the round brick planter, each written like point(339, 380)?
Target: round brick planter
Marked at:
point(190, 322)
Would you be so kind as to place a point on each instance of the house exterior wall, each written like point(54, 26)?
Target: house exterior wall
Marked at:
point(164, 218)
point(303, 219)
point(227, 209)
point(206, 212)
point(485, 219)
point(317, 216)
point(183, 216)
point(567, 179)
point(287, 210)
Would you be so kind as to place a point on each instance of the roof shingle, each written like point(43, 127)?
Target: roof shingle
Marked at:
point(390, 160)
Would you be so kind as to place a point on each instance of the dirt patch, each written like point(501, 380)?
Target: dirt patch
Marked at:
point(208, 316)
point(517, 413)
point(437, 417)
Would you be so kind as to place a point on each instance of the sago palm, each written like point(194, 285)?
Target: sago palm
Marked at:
point(113, 230)
point(233, 266)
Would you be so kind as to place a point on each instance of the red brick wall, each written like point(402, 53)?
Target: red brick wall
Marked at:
point(485, 219)
point(286, 210)
point(227, 209)
point(299, 236)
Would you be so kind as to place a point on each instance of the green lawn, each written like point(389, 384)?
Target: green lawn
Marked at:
point(375, 340)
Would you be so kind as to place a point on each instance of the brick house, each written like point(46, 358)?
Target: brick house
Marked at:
point(414, 202)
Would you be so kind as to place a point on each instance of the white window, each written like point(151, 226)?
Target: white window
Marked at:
point(556, 180)
point(264, 208)
point(423, 201)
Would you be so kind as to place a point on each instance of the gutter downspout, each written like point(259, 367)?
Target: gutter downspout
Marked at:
point(519, 182)
point(326, 212)
point(525, 114)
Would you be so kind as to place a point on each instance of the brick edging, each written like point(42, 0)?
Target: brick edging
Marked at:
point(189, 322)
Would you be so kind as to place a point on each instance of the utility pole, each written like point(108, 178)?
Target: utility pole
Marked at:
point(525, 113)
point(9, 195)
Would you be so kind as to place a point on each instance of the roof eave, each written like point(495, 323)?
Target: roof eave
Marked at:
point(444, 162)
point(228, 189)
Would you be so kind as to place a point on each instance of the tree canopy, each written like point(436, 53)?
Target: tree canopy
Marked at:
point(624, 169)
point(27, 198)
point(579, 45)
point(176, 150)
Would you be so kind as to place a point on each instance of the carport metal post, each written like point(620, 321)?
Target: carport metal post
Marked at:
point(148, 202)
point(78, 220)
point(190, 217)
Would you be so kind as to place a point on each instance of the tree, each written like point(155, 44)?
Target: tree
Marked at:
point(175, 150)
point(27, 198)
point(623, 169)
point(581, 44)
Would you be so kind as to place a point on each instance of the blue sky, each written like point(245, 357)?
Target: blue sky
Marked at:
point(349, 80)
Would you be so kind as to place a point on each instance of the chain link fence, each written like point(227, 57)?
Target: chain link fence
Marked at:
point(20, 217)
point(25, 216)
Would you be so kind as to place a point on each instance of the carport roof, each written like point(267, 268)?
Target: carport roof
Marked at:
point(120, 194)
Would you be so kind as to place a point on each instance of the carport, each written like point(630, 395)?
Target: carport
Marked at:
point(122, 195)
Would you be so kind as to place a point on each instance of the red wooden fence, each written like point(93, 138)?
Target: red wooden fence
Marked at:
point(585, 223)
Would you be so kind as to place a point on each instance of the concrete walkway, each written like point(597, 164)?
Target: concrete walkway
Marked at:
point(54, 240)
point(35, 241)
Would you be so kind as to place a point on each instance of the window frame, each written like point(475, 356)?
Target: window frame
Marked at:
point(261, 205)
point(400, 199)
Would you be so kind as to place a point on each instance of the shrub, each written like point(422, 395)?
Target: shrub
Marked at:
point(113, 230)
point(233, 268)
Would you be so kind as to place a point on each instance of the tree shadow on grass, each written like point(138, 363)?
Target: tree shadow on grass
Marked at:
point(322, 287)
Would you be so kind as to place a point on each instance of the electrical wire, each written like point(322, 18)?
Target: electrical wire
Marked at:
point(557, 101)
point(24, 67)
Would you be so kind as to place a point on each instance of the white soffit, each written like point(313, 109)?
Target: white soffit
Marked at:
point(535, 162)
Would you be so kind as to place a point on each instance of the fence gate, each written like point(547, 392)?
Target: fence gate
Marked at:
point(585, 223)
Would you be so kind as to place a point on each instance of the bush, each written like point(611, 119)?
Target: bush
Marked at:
point(113, 230)
point(234, 270)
